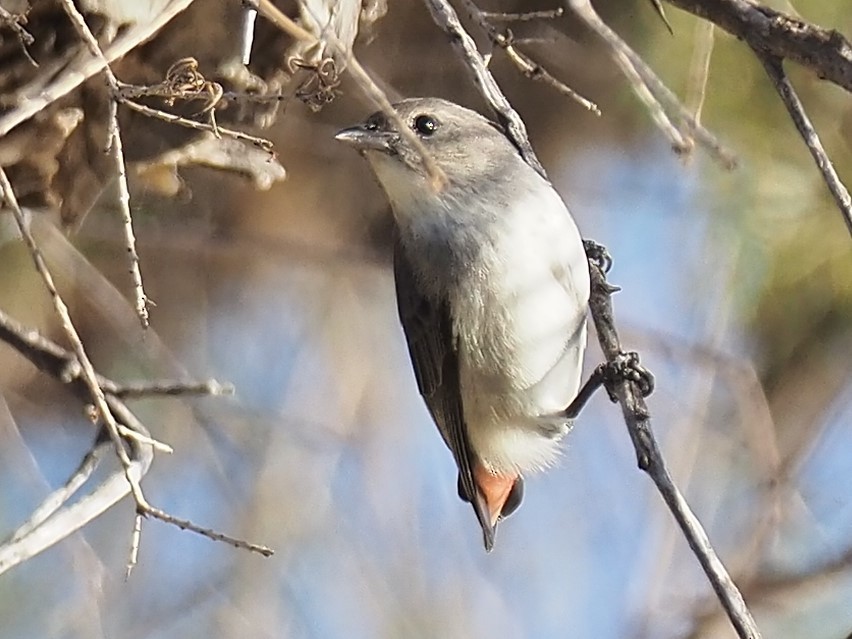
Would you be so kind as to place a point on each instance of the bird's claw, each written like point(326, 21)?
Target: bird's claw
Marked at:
point(626, 367)
point(598, 255)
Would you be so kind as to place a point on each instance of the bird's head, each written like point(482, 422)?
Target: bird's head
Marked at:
point(469, 149)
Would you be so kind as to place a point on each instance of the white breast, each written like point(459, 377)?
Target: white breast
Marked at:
point(520, 324)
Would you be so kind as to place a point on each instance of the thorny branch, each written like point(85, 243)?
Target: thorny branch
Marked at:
point(634, 409)
point(52, 522)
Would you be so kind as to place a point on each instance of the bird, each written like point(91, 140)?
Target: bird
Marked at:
point(492, 285)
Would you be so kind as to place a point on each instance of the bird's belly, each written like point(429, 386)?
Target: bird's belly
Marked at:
point(520, 359)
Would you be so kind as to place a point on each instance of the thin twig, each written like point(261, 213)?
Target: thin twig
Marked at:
point(135, 542)
point(185, 524)
point(526, 65)
point(665, 107)
point(259, 142)
point(84, 68)
point(775, 71)
point(142, 299)
point(210, 387)
point(650, 459)
point(658, 8)
point(699, 72)
point(87, 370)
point(680, 144)
point(527, 16)
point(446, 18)
point(374, 93)
point(534, 71)
point(88, 37)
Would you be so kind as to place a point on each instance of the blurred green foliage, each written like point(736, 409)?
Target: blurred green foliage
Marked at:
point(796, 273)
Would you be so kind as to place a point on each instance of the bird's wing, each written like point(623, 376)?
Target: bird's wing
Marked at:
point(431, 345)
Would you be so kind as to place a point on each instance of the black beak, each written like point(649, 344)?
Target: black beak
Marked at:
point(365, 139)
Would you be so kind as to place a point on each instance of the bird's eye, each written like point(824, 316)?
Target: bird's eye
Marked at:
point(425, 125)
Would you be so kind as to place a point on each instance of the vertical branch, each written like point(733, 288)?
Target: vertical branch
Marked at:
point(142, 300)
point(115, 142)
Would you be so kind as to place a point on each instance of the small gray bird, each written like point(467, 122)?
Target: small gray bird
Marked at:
point(492, 286)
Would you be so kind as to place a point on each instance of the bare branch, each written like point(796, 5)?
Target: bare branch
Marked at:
point(445, 17)
point(775, 37)
point(679, 125)
point(526, 65)
point(775, 70)
point(259, 142)
point(185, 524)
point(546, 14)
point(118, 154)
point(53, 521)
point(86, 67)
point(372, 90)
point(650, 459)
point(826, 52)
point(71, 518)
point(87, 370)
point(169, 388)
point(54, 501)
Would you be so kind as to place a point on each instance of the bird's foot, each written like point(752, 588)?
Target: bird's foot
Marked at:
point(597, 254)
point(600, 259)
point(626, 367)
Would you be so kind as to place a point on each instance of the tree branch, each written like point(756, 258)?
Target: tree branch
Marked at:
point(826, 52)
point(54, 520)
point(775, 70)
point(650, 459)
point(448, 20)
point(775, 37)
